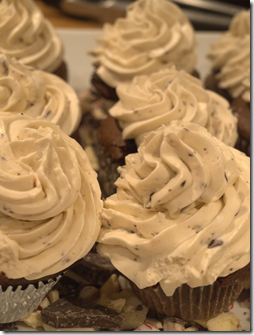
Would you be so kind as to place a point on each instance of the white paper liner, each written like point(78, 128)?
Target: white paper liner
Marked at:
point(15, 305)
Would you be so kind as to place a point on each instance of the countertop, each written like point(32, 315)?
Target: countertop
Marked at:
point(60, 20)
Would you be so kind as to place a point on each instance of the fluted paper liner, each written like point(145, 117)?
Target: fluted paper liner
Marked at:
point(18, 303)
point(190, 303)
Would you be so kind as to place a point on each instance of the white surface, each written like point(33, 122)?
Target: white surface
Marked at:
point(78, 41)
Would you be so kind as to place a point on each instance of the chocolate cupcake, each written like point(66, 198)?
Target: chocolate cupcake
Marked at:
point(154, 35)
point(39, 94)
point(26, 35)
point(230, 76)
point(144, 105)
point(50, 210)
point(179, 225)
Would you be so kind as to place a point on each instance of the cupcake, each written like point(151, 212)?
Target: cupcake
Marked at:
point(144, 105)
point(50, 208)
point(153, 35)
point(179, 225)
point(26, 35)
point(230, 57)
point(41, 95)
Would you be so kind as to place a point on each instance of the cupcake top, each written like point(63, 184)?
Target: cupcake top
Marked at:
point(152, 100)
point(26, 35)
point(50, 203)
point(154, 35)
point(181, 213)
point(39, 94)
point(231, 57)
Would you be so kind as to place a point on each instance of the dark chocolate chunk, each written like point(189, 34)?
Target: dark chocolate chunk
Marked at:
point(78, 313)
point(94, 269)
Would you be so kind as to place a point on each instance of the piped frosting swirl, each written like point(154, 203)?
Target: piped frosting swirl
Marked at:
point(155, 34)
point(152, 100)
point(39, 94)
point(26, 35)
point(50, 202)
point(231, 57)
point(181, 213)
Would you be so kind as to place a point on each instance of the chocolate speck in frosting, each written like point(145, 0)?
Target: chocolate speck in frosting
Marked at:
point(5, 68)
point(226, 177)
point(197, 228)
point(183, 183)
point(215, 243)
point(47, 114)
point(3, 158)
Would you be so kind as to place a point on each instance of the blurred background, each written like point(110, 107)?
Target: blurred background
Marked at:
point(206, 15)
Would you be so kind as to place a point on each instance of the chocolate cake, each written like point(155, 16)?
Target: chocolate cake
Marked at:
point(77, 313)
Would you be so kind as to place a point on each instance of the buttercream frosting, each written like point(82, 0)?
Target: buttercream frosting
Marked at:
point(50, 200)
point(28, 36)
point(152, 100)
point(230, 56)
point(39, 94)
point(155, 34)
point(181, 214)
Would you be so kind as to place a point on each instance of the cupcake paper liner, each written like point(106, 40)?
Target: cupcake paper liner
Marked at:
point(18, 303)
point(190, 303)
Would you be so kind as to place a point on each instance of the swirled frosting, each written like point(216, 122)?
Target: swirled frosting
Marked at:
point(150, 101)
point(155, 34)
point(231, 56)
point(26, 35)
point(39, 94)
point(50, 202)
point(181, 213)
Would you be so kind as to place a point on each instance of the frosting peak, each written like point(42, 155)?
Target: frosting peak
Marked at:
point(26, 35)
point(181, 213)
point(50, 203)
point(166, 95)
point(37, 93)
point(231, 56)
point(155, 34)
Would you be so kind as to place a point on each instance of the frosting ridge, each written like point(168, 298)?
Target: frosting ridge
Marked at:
point(26, 35)
point(181, 213)
point(37, 93)
point(155, 34)
point(50, 202)
point(152, 100)
point(231, 56)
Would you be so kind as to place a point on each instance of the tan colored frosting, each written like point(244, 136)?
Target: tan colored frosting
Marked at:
point(181, 213)
point(231, 56)
point(50, 204)
point(26, 35)
point(37, 93)
point(150, 101)
point(154, 35)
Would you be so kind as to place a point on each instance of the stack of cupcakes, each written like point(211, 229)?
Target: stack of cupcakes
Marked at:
point(148, 102)
point(50, 199)
point(177, 221)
